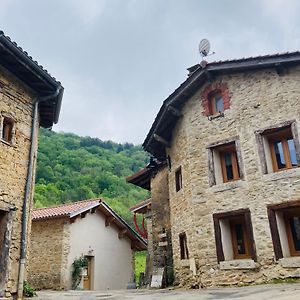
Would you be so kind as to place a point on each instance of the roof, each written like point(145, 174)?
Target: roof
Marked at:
point(141, 178)
point(81, 208)
point(68, 209)
point(160, 133)
point(141, 207)
point(17, 61)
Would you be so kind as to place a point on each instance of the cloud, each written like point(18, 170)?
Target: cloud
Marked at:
point(88, 11)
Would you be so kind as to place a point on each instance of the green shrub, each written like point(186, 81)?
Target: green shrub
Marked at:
point(28, 290)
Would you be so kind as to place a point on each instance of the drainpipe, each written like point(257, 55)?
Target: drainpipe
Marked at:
point(28, 189)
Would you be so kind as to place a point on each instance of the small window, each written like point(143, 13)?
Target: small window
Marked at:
point(229, 163)
point(178, 179)
point(7, 129)
point(234, 235)
point(224, 162)
point(216, 103)
point(285, 228)
point(239, 237)
point(184, 252)
point(278, 147)
point(282, 149)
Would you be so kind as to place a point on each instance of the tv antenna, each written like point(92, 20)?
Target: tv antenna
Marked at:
point(204, 48)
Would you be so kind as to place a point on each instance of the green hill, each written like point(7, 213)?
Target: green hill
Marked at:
point(72, 168)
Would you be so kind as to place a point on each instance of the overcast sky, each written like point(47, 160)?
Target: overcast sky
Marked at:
point(119, 59)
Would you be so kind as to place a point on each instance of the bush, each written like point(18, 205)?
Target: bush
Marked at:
point(28, 290)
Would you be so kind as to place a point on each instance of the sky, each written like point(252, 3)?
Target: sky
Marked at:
point(119, 59)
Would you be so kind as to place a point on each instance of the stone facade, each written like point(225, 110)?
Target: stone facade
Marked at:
point(16, 102)
point(48, 253)
point(161, 226)
point(259, 99)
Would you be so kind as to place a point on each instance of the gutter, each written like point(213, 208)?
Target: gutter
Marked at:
point(28, 188)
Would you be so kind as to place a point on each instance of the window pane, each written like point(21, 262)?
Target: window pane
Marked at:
point(241, 249)
point(295, 228)
point(219, 103)
point(279, 155)
point(292, 152)
point(228, 165)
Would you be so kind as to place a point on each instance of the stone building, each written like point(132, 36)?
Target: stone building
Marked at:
point(227, 189)
point(29, 98)
point(89, 229)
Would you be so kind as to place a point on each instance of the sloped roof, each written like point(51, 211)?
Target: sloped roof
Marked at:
point(199, 75)
point(68, 209)
point(72, 210)
point(18, 62)
point(141, 207)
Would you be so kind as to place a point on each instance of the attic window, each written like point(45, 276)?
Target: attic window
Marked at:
point(215, 99)
point(7, 129)
point(216, 103)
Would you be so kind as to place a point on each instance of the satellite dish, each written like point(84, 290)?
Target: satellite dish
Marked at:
point(204, 47)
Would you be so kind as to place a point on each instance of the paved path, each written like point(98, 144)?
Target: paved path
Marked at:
point(259, 292)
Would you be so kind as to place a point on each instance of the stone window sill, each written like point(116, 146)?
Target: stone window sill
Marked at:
point(238, 264)
point(227, 186)
point(282, 174)
point(290, 262)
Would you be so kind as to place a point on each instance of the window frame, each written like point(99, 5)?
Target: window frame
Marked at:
point(266, 166)
point(250, 243)
point(285, 209)
point(234, 221)
point(214, 150)
point(288, 229)
point(184, 251)
point(212, 102)
point(230, 148)
point(178, 179)
point(7, 129)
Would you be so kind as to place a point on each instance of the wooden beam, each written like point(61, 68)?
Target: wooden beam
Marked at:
point(122, 233)
point(174, 111)
point(160, 139)
point(108, 221)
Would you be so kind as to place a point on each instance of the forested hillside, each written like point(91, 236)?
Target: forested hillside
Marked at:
point(72, 168)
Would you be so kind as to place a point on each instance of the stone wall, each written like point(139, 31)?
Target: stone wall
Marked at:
point(258, 100)
point(16, 101)
point(49, 249)
point(161, 226)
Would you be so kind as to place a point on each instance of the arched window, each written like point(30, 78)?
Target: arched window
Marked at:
point(216, 103)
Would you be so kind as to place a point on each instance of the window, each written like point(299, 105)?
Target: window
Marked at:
point(224, 161)
point(284, 222)
point(229, 163)
point(234, 235)
point(7, 129)
point(184, 253)
point(178, 179)
point(282, 148)
point(239, 238)
point(216, 103)
point(278, 147)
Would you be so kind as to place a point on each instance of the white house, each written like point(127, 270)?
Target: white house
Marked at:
point(89, 229)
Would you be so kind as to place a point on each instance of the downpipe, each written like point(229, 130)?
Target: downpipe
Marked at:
point(28, 188)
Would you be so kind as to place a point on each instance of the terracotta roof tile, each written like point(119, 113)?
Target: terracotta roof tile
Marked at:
point(63, 210)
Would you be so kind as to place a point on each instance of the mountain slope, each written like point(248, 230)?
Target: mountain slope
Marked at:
point(72, 168)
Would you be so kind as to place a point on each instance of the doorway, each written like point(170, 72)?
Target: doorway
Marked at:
point(88, 278)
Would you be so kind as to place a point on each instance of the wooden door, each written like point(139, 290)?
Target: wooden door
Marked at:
point(87, 278)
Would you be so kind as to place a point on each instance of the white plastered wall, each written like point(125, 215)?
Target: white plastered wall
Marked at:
point(112, 256)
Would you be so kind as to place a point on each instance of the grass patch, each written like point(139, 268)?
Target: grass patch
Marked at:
point(140, 264)
point(284, 280)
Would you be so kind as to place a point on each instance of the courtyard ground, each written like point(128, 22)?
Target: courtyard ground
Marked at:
point(259, 292)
